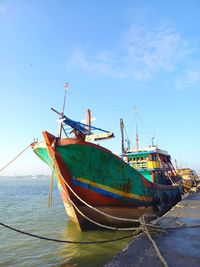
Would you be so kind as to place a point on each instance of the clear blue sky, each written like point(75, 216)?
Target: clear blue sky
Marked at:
point(115, 55)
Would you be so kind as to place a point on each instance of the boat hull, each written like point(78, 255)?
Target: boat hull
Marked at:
point(91, 176)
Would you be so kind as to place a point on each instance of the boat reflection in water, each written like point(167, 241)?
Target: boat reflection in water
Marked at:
point(89, 255)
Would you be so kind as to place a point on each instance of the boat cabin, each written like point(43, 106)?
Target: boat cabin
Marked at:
point(153, 163)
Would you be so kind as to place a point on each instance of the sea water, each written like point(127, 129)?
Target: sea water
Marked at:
point(24, 205)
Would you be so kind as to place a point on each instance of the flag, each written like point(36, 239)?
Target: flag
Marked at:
point(66, 85)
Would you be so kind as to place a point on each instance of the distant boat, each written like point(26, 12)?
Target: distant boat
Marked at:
point(189, 178)
point(98, 188)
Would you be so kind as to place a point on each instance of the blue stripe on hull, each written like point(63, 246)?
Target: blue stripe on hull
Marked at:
point(111, 195)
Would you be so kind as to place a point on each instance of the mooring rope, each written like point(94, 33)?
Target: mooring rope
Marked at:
point(142, 228)
point(146, 231)
point(93, 208)
point(103, 225)
point(68, 241)
point(15, 158)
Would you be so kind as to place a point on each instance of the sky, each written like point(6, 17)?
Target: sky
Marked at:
point(138, 60)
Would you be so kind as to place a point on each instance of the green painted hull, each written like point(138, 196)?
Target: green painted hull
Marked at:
point(90, 175)
point(98, 170)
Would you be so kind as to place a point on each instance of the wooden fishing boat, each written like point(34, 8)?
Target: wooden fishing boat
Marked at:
point(98, 188)
point(189, 178)
point(152, 162)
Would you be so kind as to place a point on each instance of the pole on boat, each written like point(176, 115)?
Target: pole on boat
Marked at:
point(88, 120)
point(176, 164)
point(66, 85)
point(137, 138)
point(122, 134)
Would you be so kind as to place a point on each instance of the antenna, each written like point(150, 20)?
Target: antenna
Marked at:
point(153, 140)
point(137, 136)
point(66, 85)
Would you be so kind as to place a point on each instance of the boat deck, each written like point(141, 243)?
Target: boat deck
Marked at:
point(179, 246)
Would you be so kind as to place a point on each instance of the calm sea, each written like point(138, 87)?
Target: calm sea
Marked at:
point(24, 205)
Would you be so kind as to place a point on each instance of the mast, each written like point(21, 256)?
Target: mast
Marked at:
point(137, 138)
point(66, 85)
point(122, 134)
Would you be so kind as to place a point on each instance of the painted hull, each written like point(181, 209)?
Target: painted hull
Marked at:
point(189, 179)
point(90, 175)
